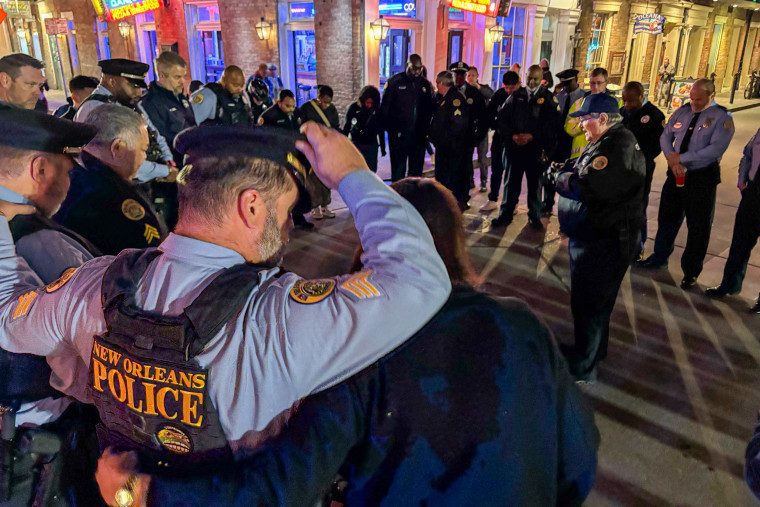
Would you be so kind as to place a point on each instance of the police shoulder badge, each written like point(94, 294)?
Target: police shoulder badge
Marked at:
point(728, 125)
point(261, 120)
point(312, 291)
point(57, 284)
point(540, 101)
point(198, 99)
point(469, 101)
point(133, 210)
point(599, 163)
point(175, 440)
point(645, 118)
point(456, 103)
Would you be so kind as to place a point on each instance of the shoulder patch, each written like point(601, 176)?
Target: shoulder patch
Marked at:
point(645, 118)
point(57, 284)
point(360, 286)
point(728, 125)
point(261, 120)
point(133, 210)
point(309, 292)
point(24, 304)
point(198, 98)
point(456, 103)
point(540, 101)
point(469, 101)
point(599, 163)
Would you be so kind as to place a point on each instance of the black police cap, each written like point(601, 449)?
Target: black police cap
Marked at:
point(133, 71)
point(269, 143)
point(459, 67)
point(567, 74)
point(30, 130)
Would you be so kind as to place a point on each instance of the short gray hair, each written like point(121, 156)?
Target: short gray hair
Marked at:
point(614, 118)
point(445, 78)
point(115, 121)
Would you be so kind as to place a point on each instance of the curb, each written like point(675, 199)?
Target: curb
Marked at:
point(742, 108)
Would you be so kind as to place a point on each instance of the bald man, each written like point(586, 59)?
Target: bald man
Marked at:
point(222, 103)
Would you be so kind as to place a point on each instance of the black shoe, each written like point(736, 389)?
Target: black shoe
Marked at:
point(756, 308)
point(688, 282)
point(651, 262)
point(483, 188)
point(719, 292)
point(503, 220)
point(536, 225)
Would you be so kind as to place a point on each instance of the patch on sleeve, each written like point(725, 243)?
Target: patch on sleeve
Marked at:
point(599, 163)
point(24, 304)
point(261, 120)
point(360, 286)
point(198, 99)
point(133, 210)
point(57, 284)
point(150, 233)
point(728, 125)
point(456, 103)
point(309, 292)
point(645, 118)
point(540, 101)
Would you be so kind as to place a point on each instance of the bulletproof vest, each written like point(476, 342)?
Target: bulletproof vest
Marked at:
point(150, 391)
point(24, 225)
point(228, 110)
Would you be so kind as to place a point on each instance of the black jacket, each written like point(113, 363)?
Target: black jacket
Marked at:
point(647, 124)
point(452, 126)
point(477, 408)
point(307, 112)
point(604, 194)
point(276, 117)
point(538, 116)
point(407, 105)
point(498, 99)
point(169, 113)
point(477, 102)
point(364, 126)
point(108, 211)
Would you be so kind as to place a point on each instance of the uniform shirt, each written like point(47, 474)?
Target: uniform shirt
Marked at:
point(748, 167)
point(108, 211)
point(206, 106)
point(276, 117)
point(169, 112)
point(407, 106)
point(148, 170)
point(291, 339)
point(451, 128)
point(536, 114)
point(710, 139)
point(647, 124)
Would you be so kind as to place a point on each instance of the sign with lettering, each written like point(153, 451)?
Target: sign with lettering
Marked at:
point(648, 23)
point(57, 26)
point(485, 7)
point(398, 8)
point(302, 10)
point(116, 10)
point(17, 7)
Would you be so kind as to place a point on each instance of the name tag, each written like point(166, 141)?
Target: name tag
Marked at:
point(172, 109)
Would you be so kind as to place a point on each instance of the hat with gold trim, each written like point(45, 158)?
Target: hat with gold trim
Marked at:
point(132, 71)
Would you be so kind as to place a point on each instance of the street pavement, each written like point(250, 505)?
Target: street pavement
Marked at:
point(677, 397)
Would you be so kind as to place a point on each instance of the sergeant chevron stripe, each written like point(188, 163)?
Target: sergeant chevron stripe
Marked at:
point(151, 233)
point(360, 286)
point(24, 303)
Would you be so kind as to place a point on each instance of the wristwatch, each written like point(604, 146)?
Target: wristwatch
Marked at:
point(125, 495)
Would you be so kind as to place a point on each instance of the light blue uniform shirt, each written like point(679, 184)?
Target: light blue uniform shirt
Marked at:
point(277, 350)
point(709, 141)
point(748, 167)
point(148, 170)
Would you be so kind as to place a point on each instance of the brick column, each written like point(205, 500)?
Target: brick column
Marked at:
point(172, 29)
point(441, 43)
point(242, 47)
point(704, 58)
point(646, 71)
point(584, 25)
point(721, 64)
point(87, 40)
point(619, 38)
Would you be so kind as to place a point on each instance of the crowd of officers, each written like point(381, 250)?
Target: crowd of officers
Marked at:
point(596, 151)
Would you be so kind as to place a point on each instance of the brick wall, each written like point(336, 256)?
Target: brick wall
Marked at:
point(755, 60)
point(721, 64)
point(242, 47)
point(704, 58)
point(86, 39)
point(646, 71)
point(619, 40)
point(172, 29)
point(584, 24)
point(334, 39)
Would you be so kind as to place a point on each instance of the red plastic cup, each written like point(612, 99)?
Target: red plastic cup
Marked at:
point(680, 180)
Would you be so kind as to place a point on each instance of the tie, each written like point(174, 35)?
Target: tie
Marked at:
point(687, 137)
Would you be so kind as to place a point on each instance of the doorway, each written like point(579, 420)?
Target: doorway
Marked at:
point(456, 44)
point(304, 58)
point(394, 51)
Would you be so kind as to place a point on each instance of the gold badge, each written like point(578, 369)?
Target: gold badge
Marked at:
point(729, 125)
point(599, 163)
point(457, 112)
point(261, 120)
point(133, 210)
point(424, 89)
point(707, 123)
point(57, 284)
point(150, 233)
point(469, 101)
point(175, 440)
point(309, 292)
point(198, 99)
point(24, 303)
point(540, 101)
point(457, 103)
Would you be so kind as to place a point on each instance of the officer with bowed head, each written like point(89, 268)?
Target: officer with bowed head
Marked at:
point(694, 140)
point(600, 210)
point(222, 103)
point(243, 340)
point(21, 81)
point(477, 105)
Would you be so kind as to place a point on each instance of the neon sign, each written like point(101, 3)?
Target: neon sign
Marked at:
point(400, 9)
point(485, 7)
point(116, 10)
point(303, 10)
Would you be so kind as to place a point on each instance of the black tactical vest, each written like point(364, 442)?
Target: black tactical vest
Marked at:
point(150, 391)
point(229, 111)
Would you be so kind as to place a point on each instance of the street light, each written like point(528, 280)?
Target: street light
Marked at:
point(496, 33)
point(379, 28)
point(263, 29)
point(124, 29)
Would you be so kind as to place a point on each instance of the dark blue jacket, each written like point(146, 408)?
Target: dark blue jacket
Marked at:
point(170, 114)
point(478, 408)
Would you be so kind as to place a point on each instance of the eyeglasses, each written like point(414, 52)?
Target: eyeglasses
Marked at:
point(598, 83)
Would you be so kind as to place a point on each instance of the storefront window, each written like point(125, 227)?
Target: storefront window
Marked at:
point(147, 41)
point(306, 64)
point(510, 50)
point(455, 14)
point(394, 51)
point(204, 37)
point(597, 42)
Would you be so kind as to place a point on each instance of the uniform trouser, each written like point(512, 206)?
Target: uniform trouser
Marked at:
point(498, 163)
point(407, 147)
point(369, 152)
point(451, 171)
point(746, 232)
point(482, 153)
point(519, 165)
point(597, 269)
point(695, 201)
point(647, 189)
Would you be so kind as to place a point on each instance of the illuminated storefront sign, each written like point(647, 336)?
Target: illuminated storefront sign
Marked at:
point(398, 8)
point(648, 23)
point(485, 7)
point(116, 10)
point(302, 10)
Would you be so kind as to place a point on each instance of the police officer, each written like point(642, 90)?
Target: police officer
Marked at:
point(600, 211)
point(482, 148)
point(452, 134)
point(528, 123)
point(477, 105)
point(21, 81)
point(406, 108)
point(285, 337)
point(80, 87)
point(103, 204)
point(746, 226)
point(222, 103)
point(647, 123)
point(35, 151)
point(258, 95)
point(694, 140)
point(122, 83)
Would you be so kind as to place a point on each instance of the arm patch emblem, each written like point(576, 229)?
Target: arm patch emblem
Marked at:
point(132, 209)
point(198, 99)
point(729, 125)
point(57, 284)
point(360, 286)
point(599, 163)
point(309, 292)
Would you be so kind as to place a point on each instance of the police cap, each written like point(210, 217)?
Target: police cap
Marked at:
point(567, 75)
point(34, 131)
point(459, 67)
point(270, 143)
point(133, 71)
point(597, 103)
